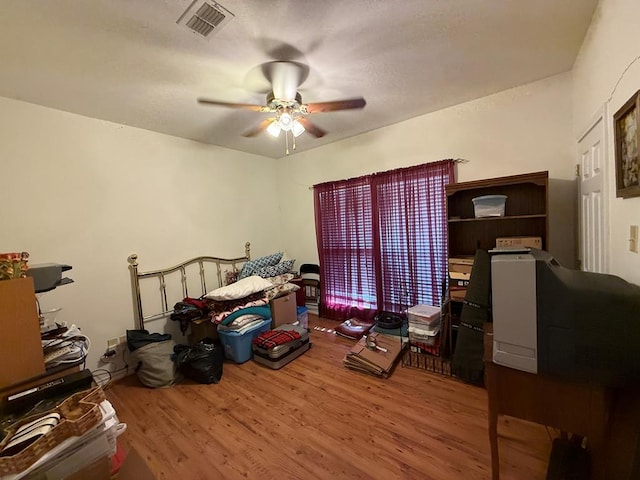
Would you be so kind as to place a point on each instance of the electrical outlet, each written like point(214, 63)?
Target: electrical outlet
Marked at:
point(112, 343)
point(633, 238)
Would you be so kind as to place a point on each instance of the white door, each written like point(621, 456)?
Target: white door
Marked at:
point(593, 199)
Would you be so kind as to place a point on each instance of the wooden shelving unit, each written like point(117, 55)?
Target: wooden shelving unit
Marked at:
point(526, 214)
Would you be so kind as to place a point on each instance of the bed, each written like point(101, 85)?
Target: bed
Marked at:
point(191, 278)
point(224, 291)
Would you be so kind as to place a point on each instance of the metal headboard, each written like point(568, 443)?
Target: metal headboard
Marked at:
point(137, 276)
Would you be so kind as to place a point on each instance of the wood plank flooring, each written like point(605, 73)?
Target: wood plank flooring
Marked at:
point(314, 419)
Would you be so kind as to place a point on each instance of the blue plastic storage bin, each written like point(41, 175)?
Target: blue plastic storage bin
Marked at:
point(303, 316)
point(237, 346)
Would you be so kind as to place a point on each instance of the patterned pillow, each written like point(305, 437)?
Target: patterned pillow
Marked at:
point(279, 290)
point(251, 266)
point(275, 270)
point(281, 279)
point(231, 276)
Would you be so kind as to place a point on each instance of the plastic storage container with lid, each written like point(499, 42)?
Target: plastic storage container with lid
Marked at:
point(489, 206)
point(424, 314)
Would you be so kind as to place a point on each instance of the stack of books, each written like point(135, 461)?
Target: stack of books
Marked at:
point(459, 274)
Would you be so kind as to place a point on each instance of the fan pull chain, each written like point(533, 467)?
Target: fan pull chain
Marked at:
point(286, 141)
point(293, 139)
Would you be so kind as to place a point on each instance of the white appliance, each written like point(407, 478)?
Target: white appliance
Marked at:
point(515, 329)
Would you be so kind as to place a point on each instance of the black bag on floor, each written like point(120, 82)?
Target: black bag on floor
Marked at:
point(151, 353)
point(201, 362)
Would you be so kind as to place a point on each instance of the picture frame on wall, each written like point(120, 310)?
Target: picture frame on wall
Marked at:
point(626, 126)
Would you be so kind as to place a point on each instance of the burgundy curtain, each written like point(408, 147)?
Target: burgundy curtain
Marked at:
point(345, 246)
point(382, 240)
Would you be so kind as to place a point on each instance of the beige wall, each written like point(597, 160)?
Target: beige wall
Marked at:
point(521, 130)
point(88, 193)
point(607, 72)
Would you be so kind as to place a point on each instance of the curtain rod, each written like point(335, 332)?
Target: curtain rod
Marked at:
point(455, 160)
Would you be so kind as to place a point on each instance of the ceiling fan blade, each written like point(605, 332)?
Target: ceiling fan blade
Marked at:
point(310, 127)
point(351, 103)
point(243, 106)
point(258, 129)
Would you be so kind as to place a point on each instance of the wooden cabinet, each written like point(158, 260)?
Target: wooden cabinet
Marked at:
point(21, 355)
point(526, 212)
point(526, 215)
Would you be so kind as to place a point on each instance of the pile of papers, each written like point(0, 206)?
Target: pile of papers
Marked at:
point(374, 354)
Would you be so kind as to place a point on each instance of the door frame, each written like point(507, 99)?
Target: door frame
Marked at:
point(600, 116)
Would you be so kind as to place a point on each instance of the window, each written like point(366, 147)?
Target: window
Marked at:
point(382, 239)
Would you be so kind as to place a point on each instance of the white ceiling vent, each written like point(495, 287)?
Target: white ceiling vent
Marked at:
point(205, 17)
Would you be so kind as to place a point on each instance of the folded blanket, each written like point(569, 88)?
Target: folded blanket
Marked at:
point(222, 317)
point(221, 306)
point(243, 320)
point(273, 338)
point(244, 328)
point(263, 311)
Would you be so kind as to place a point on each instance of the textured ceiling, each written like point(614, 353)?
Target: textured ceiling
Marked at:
point(127, 61)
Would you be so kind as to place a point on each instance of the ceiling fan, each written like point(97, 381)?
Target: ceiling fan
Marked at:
point(285, 102)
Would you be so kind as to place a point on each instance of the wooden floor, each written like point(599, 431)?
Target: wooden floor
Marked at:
point(314, 419)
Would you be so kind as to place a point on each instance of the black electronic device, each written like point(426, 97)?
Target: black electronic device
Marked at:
point(548, 319)
point(47, 276)
point(67, 384)
point(389, 320)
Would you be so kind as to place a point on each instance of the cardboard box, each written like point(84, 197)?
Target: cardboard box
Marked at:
point(461, 265)
point(533, 242)
point(458, 293)
point(283, 310)
point(202, 328)
point(459, 279)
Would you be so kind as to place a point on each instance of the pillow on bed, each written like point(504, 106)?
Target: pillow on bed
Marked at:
point(275, 270)
point(253, 265)
point(279, 290)
point(231, 276)
point(280, 279)
point(240, 289)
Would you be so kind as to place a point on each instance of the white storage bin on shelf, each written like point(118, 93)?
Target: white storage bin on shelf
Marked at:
point(489, 206)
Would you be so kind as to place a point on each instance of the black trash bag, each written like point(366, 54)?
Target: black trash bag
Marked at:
point(201, 362)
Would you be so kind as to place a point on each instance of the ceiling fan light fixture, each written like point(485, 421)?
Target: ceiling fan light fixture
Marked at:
point(274, 129)
point(297, 128)
point(285, 121)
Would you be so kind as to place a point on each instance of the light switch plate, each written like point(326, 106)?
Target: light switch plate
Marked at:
point(633, 238)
